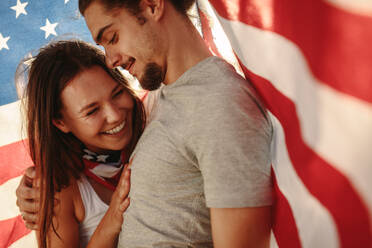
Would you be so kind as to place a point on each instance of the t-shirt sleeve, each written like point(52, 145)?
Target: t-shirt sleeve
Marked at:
point(231, 141)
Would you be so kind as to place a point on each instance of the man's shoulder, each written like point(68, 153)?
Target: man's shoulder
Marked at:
point(218, 71)
point(212, 77)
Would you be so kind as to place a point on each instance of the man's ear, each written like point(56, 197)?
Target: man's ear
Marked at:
point(60, 124)
point(153, 8)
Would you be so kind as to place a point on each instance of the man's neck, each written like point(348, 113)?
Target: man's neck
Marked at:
point(186, 48)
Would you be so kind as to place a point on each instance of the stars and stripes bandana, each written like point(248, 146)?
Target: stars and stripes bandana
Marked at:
point(103, 168)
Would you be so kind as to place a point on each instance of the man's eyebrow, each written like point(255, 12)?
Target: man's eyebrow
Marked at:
point(100, 33)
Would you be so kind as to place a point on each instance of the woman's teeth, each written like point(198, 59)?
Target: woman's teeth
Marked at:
point(116, 129)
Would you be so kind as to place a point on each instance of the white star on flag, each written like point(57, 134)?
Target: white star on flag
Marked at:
point(88, 157)
point(89, 152)
point(3, 42)
point(66, 1)
point(19, 8)
point(49, 28)
point(102, 158)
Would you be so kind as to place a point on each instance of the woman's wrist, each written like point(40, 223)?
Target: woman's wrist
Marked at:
point(108, 225)
point(105, 234)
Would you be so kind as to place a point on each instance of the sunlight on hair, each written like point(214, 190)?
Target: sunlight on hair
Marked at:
point(133, 81)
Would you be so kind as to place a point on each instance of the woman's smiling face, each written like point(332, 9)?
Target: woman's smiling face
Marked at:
point(97, 110)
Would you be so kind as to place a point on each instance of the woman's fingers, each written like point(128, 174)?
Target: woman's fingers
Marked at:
point(123, 188)
point(124, 183)
point(29, 217)
point(127, 166)
point(120, 200)
point(28, 206)
point(27, 195)
point(124, 205)
point(31, 225)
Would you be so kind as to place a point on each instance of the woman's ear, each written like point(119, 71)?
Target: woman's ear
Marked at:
point(60, 124)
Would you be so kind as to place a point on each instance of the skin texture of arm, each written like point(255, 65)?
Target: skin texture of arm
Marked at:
point(69, 212)
point(66, 219)
point(28, 193)
point(241, 227)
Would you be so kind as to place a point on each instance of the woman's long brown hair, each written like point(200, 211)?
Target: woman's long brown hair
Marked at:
point(57, 155)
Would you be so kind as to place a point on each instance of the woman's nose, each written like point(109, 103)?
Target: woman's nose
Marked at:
point(113, 113)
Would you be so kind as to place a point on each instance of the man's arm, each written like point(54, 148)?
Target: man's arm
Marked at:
point(28, 194)
point(241, 227)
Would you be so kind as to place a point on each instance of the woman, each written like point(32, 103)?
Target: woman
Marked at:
point(83, 122)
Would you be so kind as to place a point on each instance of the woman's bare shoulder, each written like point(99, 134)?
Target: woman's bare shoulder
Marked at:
point(68, 200)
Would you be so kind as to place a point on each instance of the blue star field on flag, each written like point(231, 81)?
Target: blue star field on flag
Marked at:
point(25, 26)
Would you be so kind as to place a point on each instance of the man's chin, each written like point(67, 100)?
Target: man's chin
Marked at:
point(150, 85)
point(152, 77)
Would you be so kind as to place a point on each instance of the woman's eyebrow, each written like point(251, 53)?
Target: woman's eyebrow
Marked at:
point(87, 106)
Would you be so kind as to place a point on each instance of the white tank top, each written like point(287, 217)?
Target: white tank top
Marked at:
point(94, 207)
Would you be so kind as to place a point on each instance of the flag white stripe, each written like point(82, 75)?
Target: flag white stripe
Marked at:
point(8, 208)
point(28, 241)
point(273, 243)
point(333, 124)
point(10, 123)
point(315, 225)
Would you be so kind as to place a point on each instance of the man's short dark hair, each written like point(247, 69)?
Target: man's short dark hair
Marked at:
point(181, 6)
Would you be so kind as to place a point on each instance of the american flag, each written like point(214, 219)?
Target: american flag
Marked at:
point(25, 26)
point(311, 63)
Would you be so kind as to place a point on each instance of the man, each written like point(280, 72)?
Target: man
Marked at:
point(201, 170)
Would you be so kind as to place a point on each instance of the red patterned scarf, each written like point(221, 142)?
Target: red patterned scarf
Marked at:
point(104, 169)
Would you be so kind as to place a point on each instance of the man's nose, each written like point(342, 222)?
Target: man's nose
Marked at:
point(112, 59)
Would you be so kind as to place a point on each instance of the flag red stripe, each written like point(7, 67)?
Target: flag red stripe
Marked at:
point(284, 225)
point(207, 33)
point(14, 160)
point(335, 43)
point(314, 172)
point(345, 205)
point(12, 230)
point(285, 235)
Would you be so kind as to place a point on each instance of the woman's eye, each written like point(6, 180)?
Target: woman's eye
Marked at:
point(92, 111)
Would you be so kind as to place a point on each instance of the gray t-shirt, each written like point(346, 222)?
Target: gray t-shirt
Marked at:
point(207, 146)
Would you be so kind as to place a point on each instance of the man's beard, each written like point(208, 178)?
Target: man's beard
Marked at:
point(152, 77)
